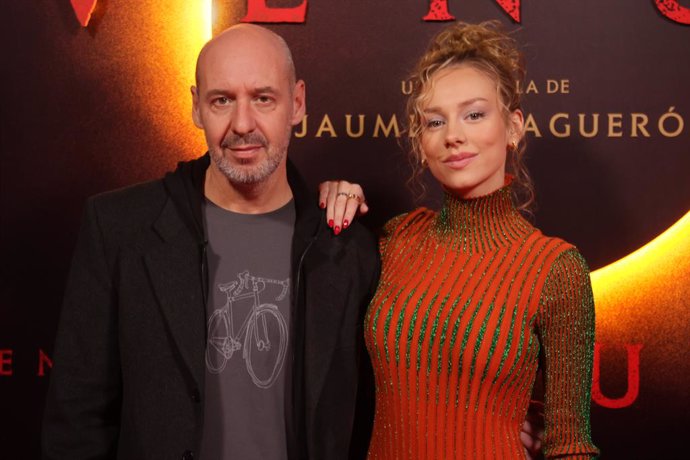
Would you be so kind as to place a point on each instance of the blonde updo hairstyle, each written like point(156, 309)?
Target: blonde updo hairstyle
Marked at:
point(487, 48)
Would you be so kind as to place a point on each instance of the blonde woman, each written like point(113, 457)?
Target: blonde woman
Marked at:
point(473, 299)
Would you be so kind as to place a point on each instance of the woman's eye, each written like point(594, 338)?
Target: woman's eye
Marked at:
point(475, 116)
point(434, 123)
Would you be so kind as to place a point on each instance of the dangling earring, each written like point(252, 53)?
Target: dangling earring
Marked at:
point(423, 162)
point(512, 146)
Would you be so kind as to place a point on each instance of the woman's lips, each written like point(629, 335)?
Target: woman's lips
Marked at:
point(460, 160)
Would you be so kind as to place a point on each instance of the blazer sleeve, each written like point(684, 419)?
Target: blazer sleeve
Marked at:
point(364, 410)
point(566, 330)
point(81, 418)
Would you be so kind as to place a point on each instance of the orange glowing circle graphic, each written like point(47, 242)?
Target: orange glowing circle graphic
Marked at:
point(647, 290)
point(663, 257)
point(157, 43)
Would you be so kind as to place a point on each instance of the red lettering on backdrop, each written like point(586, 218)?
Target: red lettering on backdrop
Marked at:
point(83, 10)
point(633, 390)
point(43, 361)
point(257, 11)
point(512, 7)
point(438, 10)
point(5, 362)
point(672, 10)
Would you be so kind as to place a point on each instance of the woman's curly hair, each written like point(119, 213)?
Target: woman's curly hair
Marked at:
point(489, 49)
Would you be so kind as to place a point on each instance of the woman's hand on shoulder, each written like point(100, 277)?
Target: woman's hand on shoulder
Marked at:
point(342, 200)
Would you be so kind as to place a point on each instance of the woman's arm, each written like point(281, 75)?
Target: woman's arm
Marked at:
point(566, 328)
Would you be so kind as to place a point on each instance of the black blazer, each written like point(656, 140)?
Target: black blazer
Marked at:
point(128, 375)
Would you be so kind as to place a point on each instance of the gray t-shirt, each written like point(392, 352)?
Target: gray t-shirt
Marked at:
point(248, 317)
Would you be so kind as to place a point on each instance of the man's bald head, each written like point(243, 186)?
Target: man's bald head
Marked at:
point(248, 35)
point(247, 101)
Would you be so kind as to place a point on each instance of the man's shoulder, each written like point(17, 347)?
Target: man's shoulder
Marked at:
point(355, 237)
point(127, 215)
point(141, 198)
point(124, 217)
point(345, 262)
point(131, 201)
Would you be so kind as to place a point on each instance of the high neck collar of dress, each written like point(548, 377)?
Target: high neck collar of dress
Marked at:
point(482, 223)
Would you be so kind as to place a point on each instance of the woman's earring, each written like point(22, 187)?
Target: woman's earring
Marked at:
point(423, 162)
point(512, 146)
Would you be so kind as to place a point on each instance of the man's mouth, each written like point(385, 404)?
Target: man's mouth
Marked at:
point(245, 147)
point(245, 150)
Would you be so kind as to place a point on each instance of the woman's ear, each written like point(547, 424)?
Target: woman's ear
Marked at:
point(516, 126)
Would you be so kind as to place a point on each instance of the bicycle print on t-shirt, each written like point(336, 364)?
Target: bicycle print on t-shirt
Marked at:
point(245, 323)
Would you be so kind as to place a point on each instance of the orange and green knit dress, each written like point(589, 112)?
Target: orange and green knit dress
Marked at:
point(472, 300)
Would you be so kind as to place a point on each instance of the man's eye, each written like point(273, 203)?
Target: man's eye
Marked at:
point(222, 100)
point(264, 100)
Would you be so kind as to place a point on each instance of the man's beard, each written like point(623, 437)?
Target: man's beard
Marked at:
point(248, 175)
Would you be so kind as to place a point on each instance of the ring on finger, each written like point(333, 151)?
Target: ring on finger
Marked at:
point(350, 196)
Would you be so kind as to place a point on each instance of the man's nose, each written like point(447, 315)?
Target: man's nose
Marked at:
point(243, 121)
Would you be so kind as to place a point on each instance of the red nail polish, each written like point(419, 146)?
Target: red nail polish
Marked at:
point(337, 230)
point(345, 223)
point(322, 205)
point(330, 223)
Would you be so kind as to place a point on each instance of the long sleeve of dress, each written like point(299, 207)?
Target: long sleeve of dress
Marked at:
point(566, 330)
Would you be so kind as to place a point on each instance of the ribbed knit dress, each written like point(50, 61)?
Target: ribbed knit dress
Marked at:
point(472, 300)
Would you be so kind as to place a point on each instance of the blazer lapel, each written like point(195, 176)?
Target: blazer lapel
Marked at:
point(175, 272)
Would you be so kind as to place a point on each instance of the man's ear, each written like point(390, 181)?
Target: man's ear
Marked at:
point(299, 103)
point(196, 116)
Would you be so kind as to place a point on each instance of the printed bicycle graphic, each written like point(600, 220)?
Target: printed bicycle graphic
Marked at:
point(253, 335)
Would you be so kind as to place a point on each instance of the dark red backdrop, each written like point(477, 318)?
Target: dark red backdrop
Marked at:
point(86, 110)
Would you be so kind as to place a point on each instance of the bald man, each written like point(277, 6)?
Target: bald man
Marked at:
point(212, 314)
